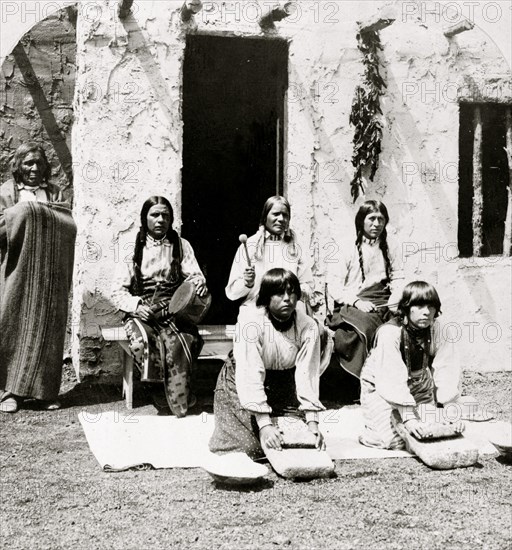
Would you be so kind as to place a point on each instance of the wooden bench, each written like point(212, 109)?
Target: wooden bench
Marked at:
point(218, 342)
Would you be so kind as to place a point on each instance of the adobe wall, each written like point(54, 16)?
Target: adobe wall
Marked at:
point(127, 144)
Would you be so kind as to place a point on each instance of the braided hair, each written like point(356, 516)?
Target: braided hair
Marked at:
point(289, 234)
point(371, 207)
point(140, 242)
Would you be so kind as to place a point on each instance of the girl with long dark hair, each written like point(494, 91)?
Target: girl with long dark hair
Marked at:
point(412, 363)
point(274, 245)
point(163, 346)
point(362, 285)
point(274, 369)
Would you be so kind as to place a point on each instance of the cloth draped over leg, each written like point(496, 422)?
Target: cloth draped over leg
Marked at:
point(407, 367)
point(35, 279)
point(236, 429)
point(165, 349)
point(379, 431)
point(355, 329)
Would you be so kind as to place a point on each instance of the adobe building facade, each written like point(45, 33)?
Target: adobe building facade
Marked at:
point(217, 113)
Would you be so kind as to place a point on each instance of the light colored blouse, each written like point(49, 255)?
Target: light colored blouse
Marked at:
point(275, 253)
point(386, 371)
point(27, 193)
point(259, 347)
point(345, 279)
point(156, 265)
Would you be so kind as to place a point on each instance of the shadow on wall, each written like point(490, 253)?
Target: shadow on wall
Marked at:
point(138, 45)
point(37, 86)
point(439, 202)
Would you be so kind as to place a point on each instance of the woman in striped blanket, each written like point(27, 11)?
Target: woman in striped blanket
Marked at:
point(37, 243)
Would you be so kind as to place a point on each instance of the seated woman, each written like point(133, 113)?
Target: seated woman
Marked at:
point(37, 246)
point(162, 346)
point(274, 245)
point(362, 285)
point(274, 369)
point(410, 364)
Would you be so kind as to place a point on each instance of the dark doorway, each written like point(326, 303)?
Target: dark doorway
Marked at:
point(233, 108)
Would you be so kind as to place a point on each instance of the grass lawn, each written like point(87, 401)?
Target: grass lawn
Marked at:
point(54, 494)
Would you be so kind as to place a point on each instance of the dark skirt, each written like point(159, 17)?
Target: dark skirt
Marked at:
point(355, 329)
point(236, 429)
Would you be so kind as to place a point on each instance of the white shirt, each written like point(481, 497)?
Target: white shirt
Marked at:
point(156, 265)
point(276, 253)
point(345, 280)
point(386, 370)
point(27, 193)
point(258, 347)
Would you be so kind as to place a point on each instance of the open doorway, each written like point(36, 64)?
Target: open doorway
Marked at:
point(233, 110)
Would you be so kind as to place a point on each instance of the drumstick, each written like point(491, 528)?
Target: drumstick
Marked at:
point(243, 240)
point(386, 305)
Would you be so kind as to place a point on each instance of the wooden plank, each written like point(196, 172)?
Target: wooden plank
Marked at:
point(221, 333)
point(478, 197)
point(114, 334)
point(218, 340)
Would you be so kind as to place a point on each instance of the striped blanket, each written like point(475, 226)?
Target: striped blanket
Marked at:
point(35, 279)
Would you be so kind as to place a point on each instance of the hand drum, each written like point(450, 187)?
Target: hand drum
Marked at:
point(187, 306)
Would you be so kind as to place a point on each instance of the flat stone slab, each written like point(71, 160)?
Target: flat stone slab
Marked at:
point(299, 458)
point(439, 454)
point(300, 463)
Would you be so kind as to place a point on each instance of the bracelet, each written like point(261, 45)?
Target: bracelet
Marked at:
point(259, 429)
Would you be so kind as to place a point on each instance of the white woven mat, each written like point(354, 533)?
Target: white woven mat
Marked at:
point(122, 440)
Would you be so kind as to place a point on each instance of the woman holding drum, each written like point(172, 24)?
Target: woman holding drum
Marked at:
point(164, 295)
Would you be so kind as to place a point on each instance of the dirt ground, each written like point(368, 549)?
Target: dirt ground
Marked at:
point(54, 494)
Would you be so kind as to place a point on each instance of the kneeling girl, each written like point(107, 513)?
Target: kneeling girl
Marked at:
point(274, 369)
point(411, 363)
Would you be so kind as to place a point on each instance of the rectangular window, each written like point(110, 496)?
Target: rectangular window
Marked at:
point(484, 179)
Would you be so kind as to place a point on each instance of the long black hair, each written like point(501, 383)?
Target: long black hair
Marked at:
point(277, 281)
point(371, 207)
point(19, 155)
point(418, 293)
point(140, 242)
